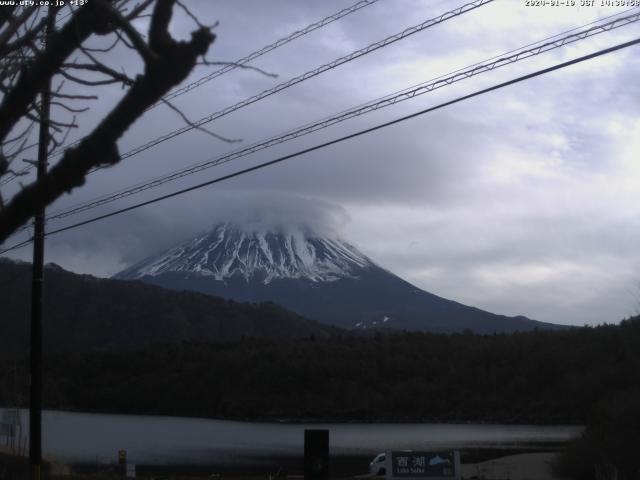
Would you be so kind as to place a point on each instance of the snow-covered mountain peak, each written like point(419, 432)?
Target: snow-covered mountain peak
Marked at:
point(257, 251)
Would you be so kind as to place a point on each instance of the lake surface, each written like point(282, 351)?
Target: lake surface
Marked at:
point(96, 438)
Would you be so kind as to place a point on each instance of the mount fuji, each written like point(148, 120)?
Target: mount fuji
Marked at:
point(318, 276)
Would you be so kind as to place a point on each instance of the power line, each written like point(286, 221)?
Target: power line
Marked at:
point(278, 43)
point(310, 74)
point(305, 76)
point(18, 245)
point(344, 138)
point(258, 53)
point(439, 82)
point(233, 65)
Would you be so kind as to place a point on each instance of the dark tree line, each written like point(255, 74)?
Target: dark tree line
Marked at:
point(558, 377)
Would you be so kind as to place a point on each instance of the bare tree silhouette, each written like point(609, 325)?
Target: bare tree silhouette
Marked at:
point(77, 66)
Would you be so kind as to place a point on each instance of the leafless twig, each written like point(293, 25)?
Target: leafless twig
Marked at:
point(196, 127)
point(206, 62)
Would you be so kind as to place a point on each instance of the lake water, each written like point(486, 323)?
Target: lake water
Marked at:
point(96, 438)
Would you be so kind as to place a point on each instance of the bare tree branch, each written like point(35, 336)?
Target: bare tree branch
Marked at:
point(4, 164)
point(68, 108)
point(98, 67)
point(124, 40)
point(89, 83)
point(198, 127)
point(188, 12)
point(159, 37)
point(75, 97)
point(14, 25)
point(60, 45)
point(55, 143)
point(26, 131)
point(6, 14)
point(206, 62)
point(27, 39)
point(171, 64)
point(135, 13)
point(136, 39)
point(105, 49)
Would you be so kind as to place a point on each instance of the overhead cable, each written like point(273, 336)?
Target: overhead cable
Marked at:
point(407, 94)
point(301, 78)
point(235, 64)
point(310, 74)
point(344, 138)
point(268, 48)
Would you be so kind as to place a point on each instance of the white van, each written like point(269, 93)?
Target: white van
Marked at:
point(378, 464)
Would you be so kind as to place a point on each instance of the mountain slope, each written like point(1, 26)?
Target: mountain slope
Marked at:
point(229, 252)
point(319, 277)
point(86, 313)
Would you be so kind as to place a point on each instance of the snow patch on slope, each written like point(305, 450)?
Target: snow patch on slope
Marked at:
point(257, 253)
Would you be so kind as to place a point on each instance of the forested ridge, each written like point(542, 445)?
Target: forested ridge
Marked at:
point(84, 313)
point(562, 377)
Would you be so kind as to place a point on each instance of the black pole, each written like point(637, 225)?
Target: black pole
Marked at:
point(316, 454)
point(35, 387)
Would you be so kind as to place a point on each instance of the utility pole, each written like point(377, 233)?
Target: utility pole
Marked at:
point(35, 366)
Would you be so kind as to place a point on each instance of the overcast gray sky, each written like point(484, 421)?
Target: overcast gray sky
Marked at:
point(525, 201)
